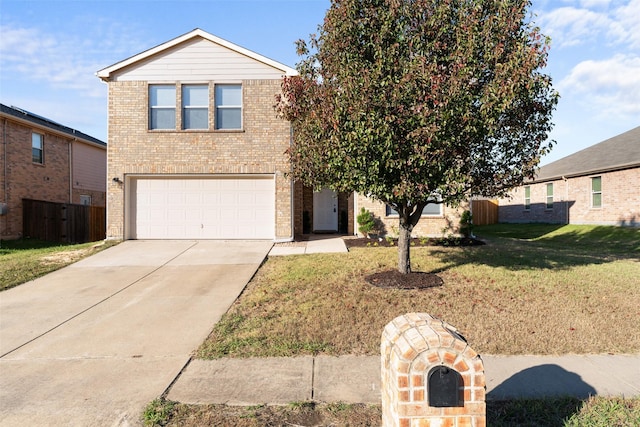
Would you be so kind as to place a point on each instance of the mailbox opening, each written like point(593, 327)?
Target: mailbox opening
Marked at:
point(445, 387)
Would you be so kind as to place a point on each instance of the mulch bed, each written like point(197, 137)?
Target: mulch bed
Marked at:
point(363, 242)
point(393, 279)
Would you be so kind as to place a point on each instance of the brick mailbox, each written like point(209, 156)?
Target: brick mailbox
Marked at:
point(430, 375)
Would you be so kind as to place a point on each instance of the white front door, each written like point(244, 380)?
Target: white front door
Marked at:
point(325, 210)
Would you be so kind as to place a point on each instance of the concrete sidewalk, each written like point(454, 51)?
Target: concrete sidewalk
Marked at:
point(353, 379)
point(317, 243)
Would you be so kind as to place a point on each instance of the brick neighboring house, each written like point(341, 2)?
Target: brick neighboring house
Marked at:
point(597, 185)
point(44, 160)
point(196, 150)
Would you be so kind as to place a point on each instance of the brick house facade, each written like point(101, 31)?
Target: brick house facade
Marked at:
point(227, 182)
point(43, 160)
point(597, 185)
point(179, 181)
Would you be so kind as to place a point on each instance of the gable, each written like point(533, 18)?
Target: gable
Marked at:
point(196, 56)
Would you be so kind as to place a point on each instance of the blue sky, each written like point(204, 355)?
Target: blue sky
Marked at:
point(51, 49)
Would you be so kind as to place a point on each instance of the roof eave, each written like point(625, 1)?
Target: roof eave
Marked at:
point(586, 173)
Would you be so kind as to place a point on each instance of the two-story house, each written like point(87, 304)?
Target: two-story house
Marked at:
point(196, 151)
point(195, 148)
point(46, 161)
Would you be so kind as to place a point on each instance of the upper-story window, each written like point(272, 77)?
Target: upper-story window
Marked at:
point(527, 198)
point(195, 107)
point(37, 148)
point(228, 99)
point(596, 192)
point(162, 107)
point(549, 196)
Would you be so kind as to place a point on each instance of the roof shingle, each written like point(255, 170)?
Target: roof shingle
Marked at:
point(619, 152)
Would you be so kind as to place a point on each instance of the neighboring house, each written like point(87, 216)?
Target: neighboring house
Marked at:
point(196, 150)
point(597, 185)
point(46, 161)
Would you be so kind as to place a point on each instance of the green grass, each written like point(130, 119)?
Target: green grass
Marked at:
point(624, 241)
point(27, 259)
point(511, 296)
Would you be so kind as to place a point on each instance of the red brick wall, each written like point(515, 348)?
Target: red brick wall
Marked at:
point(25, 179)
point(413, 344)
point(49, 181)
point(572, 201)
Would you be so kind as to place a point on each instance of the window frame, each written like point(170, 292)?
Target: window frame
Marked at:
point(527, 197)
point(218, 107)
point(186, 107)
point(38, 160)
point(596, 192)
point(391, 213)
point(153, 107)
point(549, 199)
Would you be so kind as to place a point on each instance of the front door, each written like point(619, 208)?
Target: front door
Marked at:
point(325, 210)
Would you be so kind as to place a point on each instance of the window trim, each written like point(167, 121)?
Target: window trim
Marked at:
point(40, 159)
point(527, 198)
point(549, 204)
point(217, 107)
point(162, 107)
point(185, 107)
point(391, 213)
point(593, 193)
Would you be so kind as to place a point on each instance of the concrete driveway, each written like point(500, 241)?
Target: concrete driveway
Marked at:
point(93, 343)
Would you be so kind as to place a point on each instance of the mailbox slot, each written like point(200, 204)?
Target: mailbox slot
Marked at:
point(445, 388)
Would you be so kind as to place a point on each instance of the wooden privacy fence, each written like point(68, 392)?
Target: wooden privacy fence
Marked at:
point(63, 222)
point(484, 212)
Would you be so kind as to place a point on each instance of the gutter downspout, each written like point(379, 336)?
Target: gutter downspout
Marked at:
point(5, 175)
point(71, 170)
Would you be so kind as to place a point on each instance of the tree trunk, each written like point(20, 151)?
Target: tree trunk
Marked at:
point(409, 217)
point(404, 248)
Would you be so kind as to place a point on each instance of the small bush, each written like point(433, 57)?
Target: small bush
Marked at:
point(466, 223)
point(367, 222)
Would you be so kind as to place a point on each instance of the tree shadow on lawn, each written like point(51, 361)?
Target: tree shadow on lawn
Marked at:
point(520, 255)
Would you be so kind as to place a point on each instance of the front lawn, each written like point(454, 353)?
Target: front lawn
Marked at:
point(27, 259)
point(572, 289)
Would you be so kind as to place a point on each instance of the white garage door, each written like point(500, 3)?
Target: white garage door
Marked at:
point(209, 208)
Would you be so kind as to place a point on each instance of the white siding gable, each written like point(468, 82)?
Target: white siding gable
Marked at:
point(198, 60)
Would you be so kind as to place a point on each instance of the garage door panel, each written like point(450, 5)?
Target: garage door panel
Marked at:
point(208, 208)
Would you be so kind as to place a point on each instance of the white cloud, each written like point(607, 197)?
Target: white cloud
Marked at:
point(628, 17)
point(611, 86)
point(62, 59)
point(589, 4)
point(593, 22)
point(569, 26)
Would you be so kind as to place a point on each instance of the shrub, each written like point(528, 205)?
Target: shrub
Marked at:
point(366, 221)
point(466, 223)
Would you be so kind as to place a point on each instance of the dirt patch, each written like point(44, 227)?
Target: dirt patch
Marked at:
point(65, 257)
point(422, 241)
point(395, 279)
